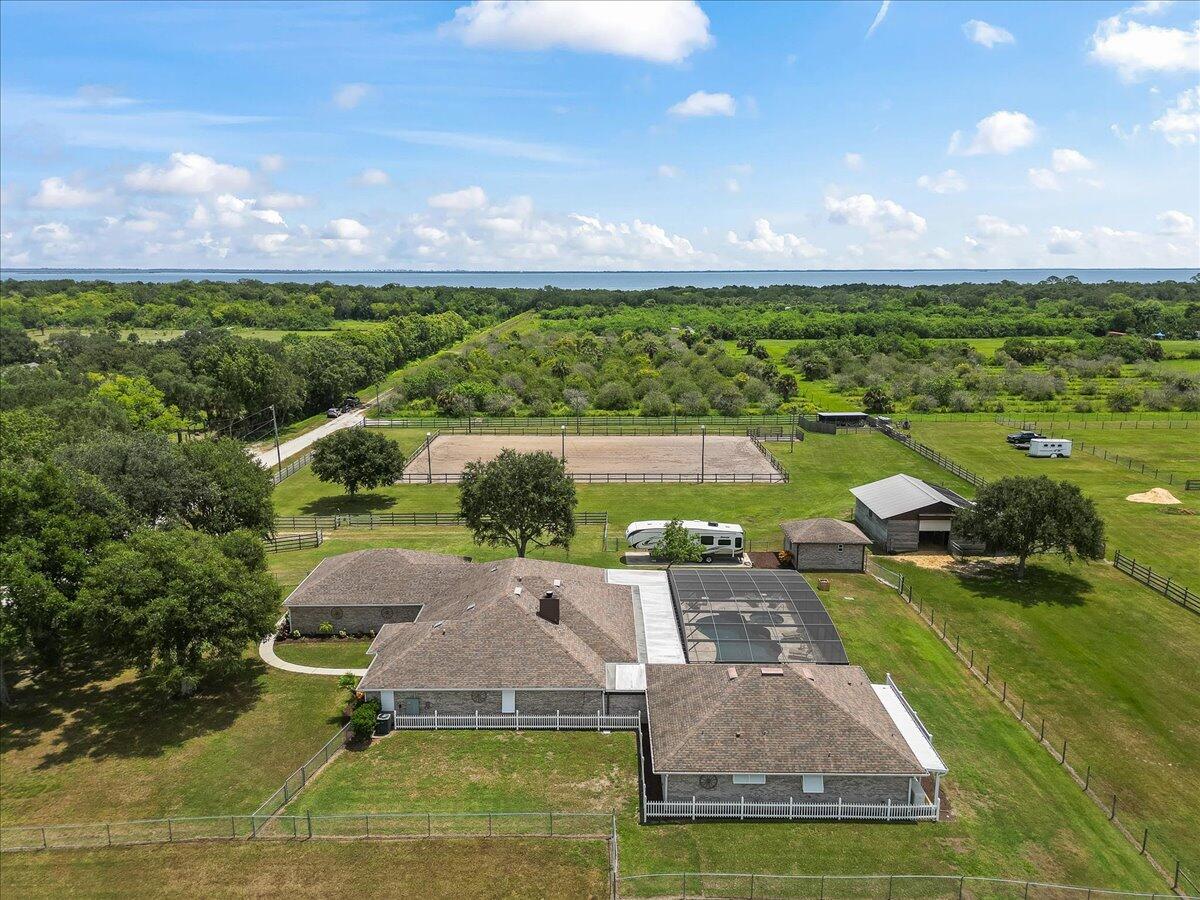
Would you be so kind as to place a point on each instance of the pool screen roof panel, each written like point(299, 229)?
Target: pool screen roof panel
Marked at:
point(753, 615)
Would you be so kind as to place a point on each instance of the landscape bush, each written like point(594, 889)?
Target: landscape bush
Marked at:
point(362, 720)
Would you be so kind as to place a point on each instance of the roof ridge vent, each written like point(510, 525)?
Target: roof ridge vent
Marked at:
point(517, 591)
point(732, 672)
point(771, 670)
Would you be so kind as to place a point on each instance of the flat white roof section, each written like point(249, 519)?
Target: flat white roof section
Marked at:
point(624, 677)
point(919, 740)
point(655, 613)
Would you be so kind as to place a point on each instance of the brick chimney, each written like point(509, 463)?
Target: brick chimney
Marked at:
point(548, 608)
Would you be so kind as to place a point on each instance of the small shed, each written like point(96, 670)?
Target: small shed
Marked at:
point(825, 545)
point(844, 419)
point(902, 513)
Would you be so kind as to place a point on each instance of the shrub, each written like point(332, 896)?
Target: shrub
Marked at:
point(614, 395)
point(325, 628)
point(656, 403)
point(877, 400)
point(1122, 399)
point(577, 400)
point(362, 720)
point(295, 633)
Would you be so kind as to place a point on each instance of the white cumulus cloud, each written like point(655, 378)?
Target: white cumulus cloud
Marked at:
point(1002, 132)
point(472, 197)
point(372, 178)
point(1066, 160)
point(55, 193)
point(1044, 180)
point(661, 31)
point(1136, 50)
point(283, 200)
point(995, 227)
point(188, 173)
point(880, 217)
point(1180, 124)
point(346, 230)
point(764, 240)
point(853, 161)
point(947, 182)
point(702, 103)
point(270, 162)
point(1175, 222)
point(987, 35)
point(1063, 241)
point(348, 96)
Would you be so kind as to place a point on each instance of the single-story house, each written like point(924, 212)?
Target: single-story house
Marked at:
point(902, 513)
point(791, 733)
point(824, 545)
point(456, 638)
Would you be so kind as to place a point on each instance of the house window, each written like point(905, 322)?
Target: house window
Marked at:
point(750, 779)
point(706, 540)
point(508, 701)
point(814, 784)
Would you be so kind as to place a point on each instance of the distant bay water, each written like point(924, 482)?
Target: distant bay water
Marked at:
point(625, 281)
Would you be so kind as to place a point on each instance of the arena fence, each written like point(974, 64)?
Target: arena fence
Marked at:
point(628, 478)
point(399, 519)
point(1164, 585)
point(584, 424)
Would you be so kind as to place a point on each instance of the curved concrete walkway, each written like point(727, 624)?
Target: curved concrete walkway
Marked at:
point(267, 651)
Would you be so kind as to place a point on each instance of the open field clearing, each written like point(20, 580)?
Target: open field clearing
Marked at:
point(448, 868)
point(1156, 535)
point(1014, 812)
point(85, 746)
point(716, 456)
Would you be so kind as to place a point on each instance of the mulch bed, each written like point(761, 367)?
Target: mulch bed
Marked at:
point(764, 559)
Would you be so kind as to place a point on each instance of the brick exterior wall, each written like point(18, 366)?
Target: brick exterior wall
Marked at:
point(826, 558)
point(463, 703)
point(351, 619)
point(850, 788)
point(626, 704)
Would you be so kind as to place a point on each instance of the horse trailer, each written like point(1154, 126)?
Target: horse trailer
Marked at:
point(1051, 448)
point(717, 539)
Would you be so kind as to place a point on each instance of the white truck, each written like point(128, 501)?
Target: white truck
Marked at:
point(719, 540)
point(1051, 448)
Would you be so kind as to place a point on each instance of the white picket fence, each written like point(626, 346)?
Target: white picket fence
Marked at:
point(520, 721)
point(789, 809)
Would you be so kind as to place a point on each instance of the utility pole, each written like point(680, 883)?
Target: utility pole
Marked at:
point(563, 431)
point(703, 434)
point(275, 428)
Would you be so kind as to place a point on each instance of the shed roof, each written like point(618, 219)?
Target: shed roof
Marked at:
point(823, 531)
point(902, 493)
point(803, 720)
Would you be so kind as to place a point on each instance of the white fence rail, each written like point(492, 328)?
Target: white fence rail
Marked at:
point(789, 809)
point(520, 721)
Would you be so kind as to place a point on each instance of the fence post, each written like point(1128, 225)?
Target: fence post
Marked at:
point(1113, 814)
point(232, 827)
point(1087, 779)
point(428, 824)
point(1042, 735)
point(308, 815)
point(44, 840)
point(987, 676)
point(1063, 760)
point(1145, 835)
point(170, 832)
point(108, 833)
point(1022, 709)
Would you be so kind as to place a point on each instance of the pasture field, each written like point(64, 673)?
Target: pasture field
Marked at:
point(86, 746)
point(1084, 641)
point(530, 867)
point(1171, 449)
point(1013, 811)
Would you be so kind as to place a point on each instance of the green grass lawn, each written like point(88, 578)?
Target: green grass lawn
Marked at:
point(1156, 535)
point(448, 868)
point(87, 746)
point(1013, 811)
point(330, 653)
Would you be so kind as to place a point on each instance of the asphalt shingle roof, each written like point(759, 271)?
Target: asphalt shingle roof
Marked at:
point(474, 629)
point(823, 531)
point(808, 720)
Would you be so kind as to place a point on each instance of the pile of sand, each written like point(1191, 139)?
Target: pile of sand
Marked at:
point(1155, 495)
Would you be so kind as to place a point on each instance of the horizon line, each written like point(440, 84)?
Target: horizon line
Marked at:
point(24, 269)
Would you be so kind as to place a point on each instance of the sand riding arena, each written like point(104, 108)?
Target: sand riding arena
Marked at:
point(608, 459)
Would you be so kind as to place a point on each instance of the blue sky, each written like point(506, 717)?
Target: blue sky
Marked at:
point(646, 135)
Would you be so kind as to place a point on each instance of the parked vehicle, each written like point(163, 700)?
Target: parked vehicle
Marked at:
point(333, 412)
point(1023, 437)
point(351, 403)
point(1051, 448)
point(720, 540)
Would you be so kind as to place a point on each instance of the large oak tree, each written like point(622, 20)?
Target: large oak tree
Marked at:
point(518, 499)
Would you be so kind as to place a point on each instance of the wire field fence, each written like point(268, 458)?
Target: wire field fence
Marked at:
point(1098, 421)
point(856, 887)
point(598, 825)
point(295, 782)
point(1169, 588)
point(1105, 794)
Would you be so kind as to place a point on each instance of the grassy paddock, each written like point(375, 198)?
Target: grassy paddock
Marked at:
point(1013, 811)
point(87, 746)
point(449, 868)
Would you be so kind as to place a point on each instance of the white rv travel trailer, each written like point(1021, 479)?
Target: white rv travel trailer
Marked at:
point(718, 539)
point(1050, 447)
